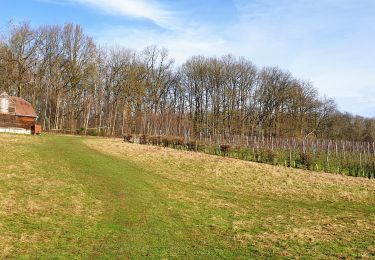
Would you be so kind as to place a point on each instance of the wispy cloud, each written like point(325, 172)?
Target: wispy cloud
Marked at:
point(181, 44)
point(143, 9)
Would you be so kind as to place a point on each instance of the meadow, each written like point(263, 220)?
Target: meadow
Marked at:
point(71, 197)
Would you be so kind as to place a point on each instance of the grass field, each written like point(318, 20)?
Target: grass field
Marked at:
point(73, 197)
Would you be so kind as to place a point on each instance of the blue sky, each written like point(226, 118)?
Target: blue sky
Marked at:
point(329, 42)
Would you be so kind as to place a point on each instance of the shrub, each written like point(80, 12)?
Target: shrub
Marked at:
point(151, 140)
point(200, 146)
point(224, 148)
point(165, 141)
point(128, 138)
point(143, 139)
point(270, 156)
point(191, 145)
point(80, 131)
point(306, 159)
point(155, 140)
point(177, 141)
point(92, 132)
point(257, 156)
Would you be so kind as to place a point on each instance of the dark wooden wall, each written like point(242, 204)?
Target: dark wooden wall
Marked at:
point(25, 122)
point(7, 120)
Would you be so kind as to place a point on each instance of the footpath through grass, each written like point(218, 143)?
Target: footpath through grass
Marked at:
point(73, 197)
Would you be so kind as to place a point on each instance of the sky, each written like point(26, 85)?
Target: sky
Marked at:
point(328, 42)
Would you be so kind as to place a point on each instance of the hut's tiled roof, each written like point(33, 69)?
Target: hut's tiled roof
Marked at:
point(23, 108)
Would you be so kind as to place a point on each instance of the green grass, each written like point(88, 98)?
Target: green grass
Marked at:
point(73, 197)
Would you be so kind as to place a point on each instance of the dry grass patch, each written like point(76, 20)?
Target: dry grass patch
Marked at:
point(246, 178)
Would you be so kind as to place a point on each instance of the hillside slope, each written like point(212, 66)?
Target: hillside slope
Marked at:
point(80, 197)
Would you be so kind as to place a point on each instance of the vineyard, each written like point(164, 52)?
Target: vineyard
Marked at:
point(334, 156)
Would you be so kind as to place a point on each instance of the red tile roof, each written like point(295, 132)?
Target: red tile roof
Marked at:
point(23, 108)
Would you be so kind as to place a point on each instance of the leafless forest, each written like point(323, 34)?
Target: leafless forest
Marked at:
point(78, 86)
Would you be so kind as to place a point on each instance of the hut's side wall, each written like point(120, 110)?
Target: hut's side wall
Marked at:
point(25, 122)
point(7, 120)
point(16, 121)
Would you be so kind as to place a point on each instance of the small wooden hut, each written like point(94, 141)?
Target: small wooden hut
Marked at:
point(17, 115)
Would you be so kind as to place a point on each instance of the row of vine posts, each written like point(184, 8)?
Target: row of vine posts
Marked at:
point(335, 156)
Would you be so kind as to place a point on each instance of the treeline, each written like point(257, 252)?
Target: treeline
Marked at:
point(76, 85)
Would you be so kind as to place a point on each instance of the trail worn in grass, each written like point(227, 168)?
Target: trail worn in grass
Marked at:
point(73, 197)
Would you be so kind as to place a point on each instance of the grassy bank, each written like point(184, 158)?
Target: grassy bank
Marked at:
point(75, 197)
